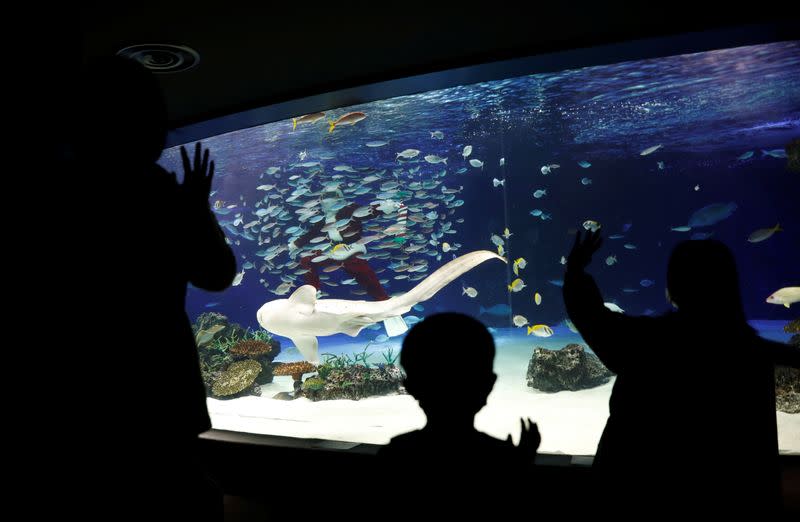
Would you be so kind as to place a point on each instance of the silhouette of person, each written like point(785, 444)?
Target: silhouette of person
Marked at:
point(692, 421)
point(448, 360)
point(142, 238)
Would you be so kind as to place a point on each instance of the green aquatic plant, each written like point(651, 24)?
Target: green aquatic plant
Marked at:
point(363, 357)
point(338, 361)
point(389, 357)
point(324, 370)
point(258, 335)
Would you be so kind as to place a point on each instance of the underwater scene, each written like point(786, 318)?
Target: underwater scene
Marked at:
point(353, 224)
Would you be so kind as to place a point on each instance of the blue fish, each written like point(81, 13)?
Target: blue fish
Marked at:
point(411, 319)
point(616, 236)
point(746, 155)
point(777, 153)
point(418, 308)
point(647, 283)
point(212, 305)
point(557, 282)
point(584, 164)
point(536, 212)
point(498, 309)
point(586, 181)
point(382, 338)
point(712, 214)
point(701, 235)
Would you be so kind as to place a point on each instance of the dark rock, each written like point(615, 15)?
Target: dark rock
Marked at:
point(209, 319)
point(284, 396)
point(792, 327)
point(354, 383)
point(571, 368)
point(787, 389)
point(265, 377)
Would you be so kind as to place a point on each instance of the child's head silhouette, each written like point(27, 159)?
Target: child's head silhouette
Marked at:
point(448, 361)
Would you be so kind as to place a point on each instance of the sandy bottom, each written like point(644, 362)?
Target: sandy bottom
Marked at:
point(569, 422)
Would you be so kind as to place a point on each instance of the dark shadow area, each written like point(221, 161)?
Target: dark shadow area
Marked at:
point(692, 420)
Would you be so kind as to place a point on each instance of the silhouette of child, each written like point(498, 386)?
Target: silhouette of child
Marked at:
point(448, 361)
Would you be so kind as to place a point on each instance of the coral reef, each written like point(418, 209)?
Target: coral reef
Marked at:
point(251, 348)
point(792, 327)
point(296, 370)
point(354, 382)
point(239, 377)
point(571, 368)
point(787, 389)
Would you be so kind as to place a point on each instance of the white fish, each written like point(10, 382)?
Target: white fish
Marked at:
point(611, 260)
point(502, 161)
point(303, 317)
point(650, 150)
point(497, 182)
point(696, 188)
point(302, 155)
point(614, 308)
point(540, 193)
point(265, 187)
point(434, 159)
point(471, 292)
point(682, 228)
point(563, 260)
point(437, 135)
point(520, 321)
point(237, 280)
point(408, 154)
point(785, 296)
point(467, 151)
point(476, 163)
point(445, 247)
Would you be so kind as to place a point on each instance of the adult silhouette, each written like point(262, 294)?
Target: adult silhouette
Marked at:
point(692, 423)
point(140, 238)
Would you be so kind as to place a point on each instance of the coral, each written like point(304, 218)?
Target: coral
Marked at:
point(787, 389)
point(570, 368)
point(251, 348)
point(237, 378)
point(792, 327)
point(295, 369)
point(354, 382)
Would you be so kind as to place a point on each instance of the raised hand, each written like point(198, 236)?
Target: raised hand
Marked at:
point(529, 438)
point(197, 177)
point(583, 249)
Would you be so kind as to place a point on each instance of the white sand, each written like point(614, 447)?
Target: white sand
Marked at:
point(569, 422)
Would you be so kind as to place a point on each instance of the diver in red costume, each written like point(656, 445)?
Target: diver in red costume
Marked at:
point(347, 244)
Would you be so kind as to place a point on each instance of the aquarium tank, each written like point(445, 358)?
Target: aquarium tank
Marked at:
point(467, 198)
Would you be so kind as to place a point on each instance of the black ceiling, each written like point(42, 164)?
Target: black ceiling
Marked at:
point(257, 55)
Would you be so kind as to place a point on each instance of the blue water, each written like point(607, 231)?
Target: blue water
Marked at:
point(706, 110)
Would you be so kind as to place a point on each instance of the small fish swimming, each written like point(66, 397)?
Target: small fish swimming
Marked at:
point(211, 305)
point(540, 193)
point(712, 214)
point(502, 161)
point(660, 165)
point(630, 246)
point(308, 118)
point(536, 212)
point(501, 251)
point(540, 330)
point(467, 151)
point(497, 182)
point(434, 159)
point(762, 234)
point(351, 118)
point(592, 225)
point(408, 154)
point(684, 228)
point(650, 150)
point(785, 296)
point(776, 153)
point(377, 143)
point(497, 240)
point(302, 155)
point(237, 279)
point(586, 181)
point(611, 260)
point(696, 188)
point(516, 285)
point(537, 298)
point(445, 247)
point(584, 164)
point(557, 282)
point(614, 308)
point(520, 321)
point(616, 236)
point(746, 156)
point(647, 283)
point(518, 265)
point(437, 135)
point(476, 163)
point(471, 292)
point(563, 260)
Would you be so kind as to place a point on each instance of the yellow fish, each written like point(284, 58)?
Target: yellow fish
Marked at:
point(518, 264)
point(538, 298)
point(351, 118)
point(308, 118)
point(540, 330)
point(516, 285)
point(506, 233)
point(500, 250)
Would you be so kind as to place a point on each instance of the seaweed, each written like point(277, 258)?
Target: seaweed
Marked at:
point(390, 357)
